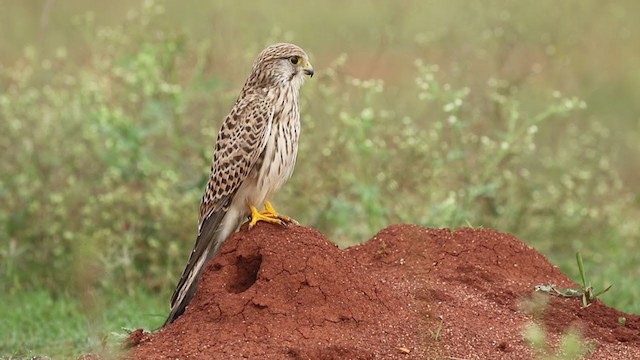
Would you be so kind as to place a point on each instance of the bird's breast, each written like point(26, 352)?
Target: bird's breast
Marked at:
point(278, 159)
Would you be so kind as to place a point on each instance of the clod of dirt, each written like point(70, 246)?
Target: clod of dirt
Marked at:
point(134, 338)
point(408, 293)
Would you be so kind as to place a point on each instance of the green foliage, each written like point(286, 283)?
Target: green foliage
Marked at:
point(622, 320)
point(570, 345)
point(37, 323)
point(87, 187)
point(586, 292)
point(106, 141)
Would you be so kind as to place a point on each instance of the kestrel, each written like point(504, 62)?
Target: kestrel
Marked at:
point(254, 156)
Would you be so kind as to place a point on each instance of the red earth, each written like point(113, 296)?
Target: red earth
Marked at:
point(408, 293)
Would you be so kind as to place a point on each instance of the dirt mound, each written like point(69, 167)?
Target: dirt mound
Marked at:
point(408, 293)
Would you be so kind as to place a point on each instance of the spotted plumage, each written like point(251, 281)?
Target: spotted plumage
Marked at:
point(254, 156)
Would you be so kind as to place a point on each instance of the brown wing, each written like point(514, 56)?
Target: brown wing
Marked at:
point(241, 140)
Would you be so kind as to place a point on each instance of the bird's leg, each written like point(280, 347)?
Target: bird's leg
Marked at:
point(271, 212)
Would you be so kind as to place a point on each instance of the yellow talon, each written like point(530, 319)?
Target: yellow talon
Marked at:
point(258, 216)
point(269, 215)
point(268, 209)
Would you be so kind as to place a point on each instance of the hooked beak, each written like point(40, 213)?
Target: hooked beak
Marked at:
point(308, 69)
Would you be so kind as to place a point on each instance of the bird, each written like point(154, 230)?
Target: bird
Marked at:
point(254, 156)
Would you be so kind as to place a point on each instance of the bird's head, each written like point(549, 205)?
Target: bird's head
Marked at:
point(282, 63)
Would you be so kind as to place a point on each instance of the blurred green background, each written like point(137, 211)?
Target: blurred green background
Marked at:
point(518, 116)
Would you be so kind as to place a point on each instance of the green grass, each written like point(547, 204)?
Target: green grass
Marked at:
point(571, 345)
point(585, 291)
point(37, 323)
point(516, 116)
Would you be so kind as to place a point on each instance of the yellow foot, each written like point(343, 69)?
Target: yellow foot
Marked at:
point(269, 215)
point(262, 216)
point(268, 209)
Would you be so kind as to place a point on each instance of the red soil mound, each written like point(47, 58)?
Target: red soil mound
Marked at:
point(408, 293)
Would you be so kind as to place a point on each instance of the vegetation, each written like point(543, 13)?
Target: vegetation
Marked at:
point(504, 115)
point(571, 345)
point(586, 292)
point(568, 346)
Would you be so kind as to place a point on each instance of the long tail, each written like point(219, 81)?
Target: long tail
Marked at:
point(212, 233)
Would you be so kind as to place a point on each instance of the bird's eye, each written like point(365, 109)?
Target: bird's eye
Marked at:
point(294, 60)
